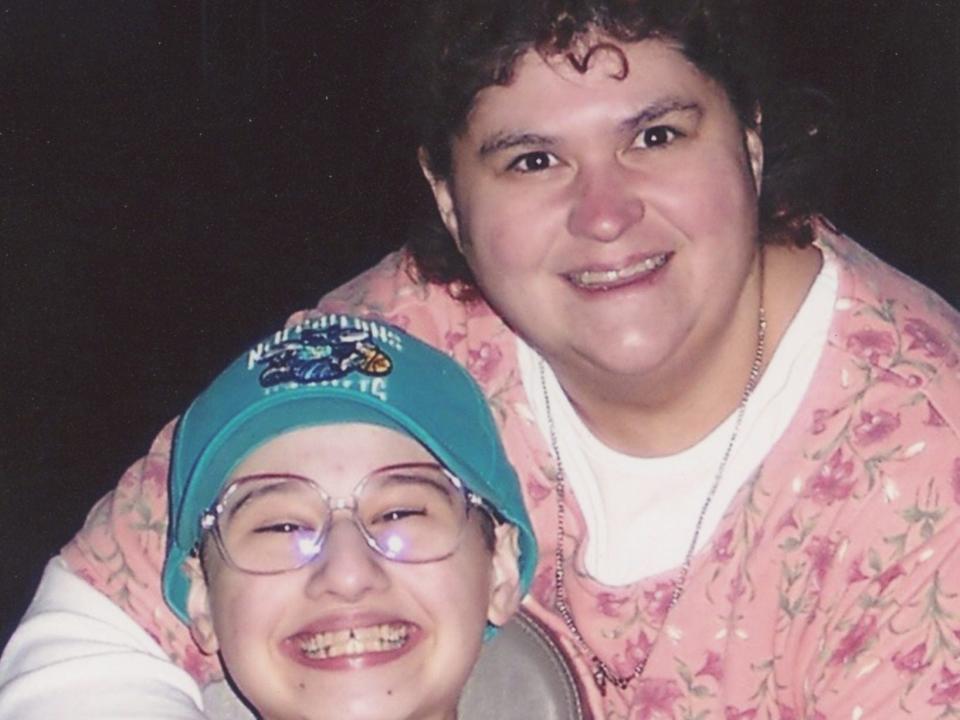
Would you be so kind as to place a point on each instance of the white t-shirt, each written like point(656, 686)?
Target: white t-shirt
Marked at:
point(631, 504)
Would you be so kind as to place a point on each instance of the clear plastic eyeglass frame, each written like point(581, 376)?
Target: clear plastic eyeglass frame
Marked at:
point(210, 520)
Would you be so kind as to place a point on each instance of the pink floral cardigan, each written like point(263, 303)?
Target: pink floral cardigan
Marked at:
point(830, 589)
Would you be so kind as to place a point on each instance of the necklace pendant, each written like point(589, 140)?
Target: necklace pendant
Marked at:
point(600, 678)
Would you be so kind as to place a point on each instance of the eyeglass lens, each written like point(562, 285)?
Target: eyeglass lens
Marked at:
point(410, 513)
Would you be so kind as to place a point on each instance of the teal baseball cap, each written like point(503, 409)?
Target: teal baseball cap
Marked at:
point(334, 369)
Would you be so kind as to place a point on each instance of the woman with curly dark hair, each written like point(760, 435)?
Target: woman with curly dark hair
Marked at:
point(735, 427)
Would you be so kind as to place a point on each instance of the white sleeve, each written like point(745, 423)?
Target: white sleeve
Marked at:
point(77, 655)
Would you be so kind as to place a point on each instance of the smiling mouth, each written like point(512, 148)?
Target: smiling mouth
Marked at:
point(605, 279)
point(355, 641)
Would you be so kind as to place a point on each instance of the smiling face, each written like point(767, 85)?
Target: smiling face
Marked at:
point(611, 221)
point(353, 635)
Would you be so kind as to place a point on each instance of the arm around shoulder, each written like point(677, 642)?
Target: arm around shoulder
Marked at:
point(76, 654)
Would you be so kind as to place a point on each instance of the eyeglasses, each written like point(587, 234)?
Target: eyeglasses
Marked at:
point(275, 523)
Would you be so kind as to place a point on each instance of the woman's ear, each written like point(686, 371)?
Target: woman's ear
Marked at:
point(753, 141)
point(198, 608)
point(443, 197)
point(505, 579)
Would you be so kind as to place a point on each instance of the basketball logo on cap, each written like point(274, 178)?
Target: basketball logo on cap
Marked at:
point(323, 354)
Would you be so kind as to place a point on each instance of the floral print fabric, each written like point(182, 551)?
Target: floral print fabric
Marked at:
point(830, 589)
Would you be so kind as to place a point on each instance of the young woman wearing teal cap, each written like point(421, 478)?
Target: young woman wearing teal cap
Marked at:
point(339, 536)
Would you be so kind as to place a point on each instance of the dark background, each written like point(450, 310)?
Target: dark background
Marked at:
point(178, 176)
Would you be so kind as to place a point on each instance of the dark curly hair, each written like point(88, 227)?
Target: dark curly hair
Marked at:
point(464, 46)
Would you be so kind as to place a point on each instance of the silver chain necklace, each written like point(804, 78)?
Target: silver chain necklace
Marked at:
point(602, 673)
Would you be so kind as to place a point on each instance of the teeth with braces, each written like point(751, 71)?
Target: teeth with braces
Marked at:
point(355, 641)
point(601, 278)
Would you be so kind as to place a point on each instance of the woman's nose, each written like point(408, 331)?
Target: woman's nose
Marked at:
point(346, 567)
point(606, 204)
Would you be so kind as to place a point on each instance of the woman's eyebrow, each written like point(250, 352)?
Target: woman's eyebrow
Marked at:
point(505, 140)
point(253, 493)
point(446, 489)
point(658, 109)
